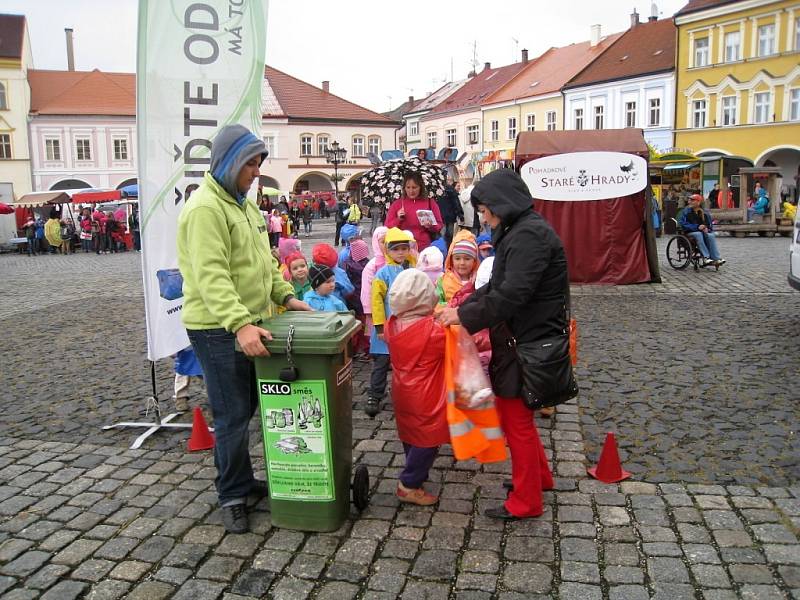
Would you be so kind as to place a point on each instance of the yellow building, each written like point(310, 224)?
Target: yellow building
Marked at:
point(532, 101)
point(738, 81)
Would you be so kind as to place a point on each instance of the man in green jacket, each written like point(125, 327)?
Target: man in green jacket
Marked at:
point(230, 283)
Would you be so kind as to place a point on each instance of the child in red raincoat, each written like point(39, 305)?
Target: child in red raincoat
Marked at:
point(416, 349)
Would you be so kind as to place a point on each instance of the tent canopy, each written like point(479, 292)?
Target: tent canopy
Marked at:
point(95, 196)
point(36, 199)
point(607, 241)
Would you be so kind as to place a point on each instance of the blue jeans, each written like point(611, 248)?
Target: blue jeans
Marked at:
point(307, 226)
point(231, 387)
point(707, 243)
point(31, 246)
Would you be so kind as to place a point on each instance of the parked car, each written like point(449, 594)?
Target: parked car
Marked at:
point(794, 255)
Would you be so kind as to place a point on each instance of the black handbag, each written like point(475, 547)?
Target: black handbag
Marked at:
point(546, 368)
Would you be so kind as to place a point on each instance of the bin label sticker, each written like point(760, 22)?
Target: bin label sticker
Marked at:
point(296, 425)
point(344, 373)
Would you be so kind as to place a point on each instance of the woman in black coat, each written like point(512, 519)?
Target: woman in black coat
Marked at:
point(525, 299)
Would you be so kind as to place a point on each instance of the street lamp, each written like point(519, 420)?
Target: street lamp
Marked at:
point(335, 156)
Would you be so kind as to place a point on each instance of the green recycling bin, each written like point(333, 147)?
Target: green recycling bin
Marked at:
point(305, 394)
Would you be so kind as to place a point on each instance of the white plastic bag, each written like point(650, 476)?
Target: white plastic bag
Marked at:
point(473, 388)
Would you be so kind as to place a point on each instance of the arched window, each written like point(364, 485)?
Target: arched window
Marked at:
point(3, 100)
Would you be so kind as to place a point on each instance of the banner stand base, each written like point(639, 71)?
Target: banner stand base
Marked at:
point(152, 427)
point(152, 404)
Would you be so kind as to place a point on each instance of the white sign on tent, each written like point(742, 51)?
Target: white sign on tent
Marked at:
point(200, 66)
point(585, 176)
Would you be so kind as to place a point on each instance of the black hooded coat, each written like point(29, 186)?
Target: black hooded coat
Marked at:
point(529, 288)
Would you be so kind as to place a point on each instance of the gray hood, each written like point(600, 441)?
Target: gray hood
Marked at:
point(231, 149)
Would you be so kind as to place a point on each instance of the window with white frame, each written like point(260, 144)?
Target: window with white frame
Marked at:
point(630, 114)
point(794, 105)
point(5, 145)
point(432, 141)
point(577, 118)
point(413, 128)
point(530, 122)
point(52, 149)
point(654, 112)
point(551, 120)
point(3, 99)
point(358, 145)
point(322, 144)
point(599, 116)
point(701, 52)
point(494, 129)
point(374, 144)
point(797, 34)
point(473, 134)
point(120, 149)
point(452, 138)
point(729, 110)
point(766, 39)
point(269, 142)
point(512, 128)
point(306, 145)
point(698, 114)
point(733, 46)
point(83, 149)
point(761, 107)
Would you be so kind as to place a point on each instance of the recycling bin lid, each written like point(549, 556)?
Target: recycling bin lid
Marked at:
point(314, 332)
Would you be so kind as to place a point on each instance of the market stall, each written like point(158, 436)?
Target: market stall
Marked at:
point(592, 187)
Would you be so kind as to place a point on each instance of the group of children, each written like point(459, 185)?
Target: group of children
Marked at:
point(396, 294)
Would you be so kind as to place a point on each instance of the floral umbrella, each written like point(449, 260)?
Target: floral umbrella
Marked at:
point(384, 183)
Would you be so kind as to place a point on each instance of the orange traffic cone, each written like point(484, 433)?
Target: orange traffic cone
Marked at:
point(609, 469)
point(201, 438)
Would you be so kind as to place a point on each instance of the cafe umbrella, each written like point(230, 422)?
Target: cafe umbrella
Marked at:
point(384, 183)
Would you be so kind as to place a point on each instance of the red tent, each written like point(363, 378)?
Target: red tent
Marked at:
point(95, 196)
point(592, 187)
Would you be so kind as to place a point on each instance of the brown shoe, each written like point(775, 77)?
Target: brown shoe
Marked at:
point(181, 404)
point(547, 411)
point(415, 496)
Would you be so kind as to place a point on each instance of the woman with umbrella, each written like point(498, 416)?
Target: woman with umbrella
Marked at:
point(407, 212)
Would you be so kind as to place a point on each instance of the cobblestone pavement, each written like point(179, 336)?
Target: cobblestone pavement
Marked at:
point(705, 421)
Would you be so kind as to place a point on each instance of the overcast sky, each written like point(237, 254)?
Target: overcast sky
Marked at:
point(374, 53)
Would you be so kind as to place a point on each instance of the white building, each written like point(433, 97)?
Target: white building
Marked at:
point(83, 132)
point(632, 84)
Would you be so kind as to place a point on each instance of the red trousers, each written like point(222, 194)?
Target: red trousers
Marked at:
point(529, 471)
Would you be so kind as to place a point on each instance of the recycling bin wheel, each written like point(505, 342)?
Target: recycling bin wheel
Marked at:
point(360, 487)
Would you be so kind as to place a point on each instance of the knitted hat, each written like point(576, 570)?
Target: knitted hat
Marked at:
point(325, 254)
point(359, 250)
point(467, 247)
point(319, 274)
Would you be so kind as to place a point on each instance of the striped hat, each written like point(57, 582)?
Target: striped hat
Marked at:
point(467, 247)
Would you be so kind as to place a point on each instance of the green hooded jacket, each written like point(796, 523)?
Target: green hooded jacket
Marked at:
point(230, 278)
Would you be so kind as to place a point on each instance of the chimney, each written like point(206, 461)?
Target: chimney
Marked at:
point(471, 74)
point(326, 86)
point(595, 37)
point(634, 18)
point(411, 100)
point(487, 66)
point(70, 50)
point(652, 18)
point(524, 55)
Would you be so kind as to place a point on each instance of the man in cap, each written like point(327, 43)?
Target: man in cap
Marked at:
point(231, 283)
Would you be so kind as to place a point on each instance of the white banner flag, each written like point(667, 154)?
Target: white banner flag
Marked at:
point(200, 66)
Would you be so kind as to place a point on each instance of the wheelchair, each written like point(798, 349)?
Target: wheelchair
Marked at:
point(682, 251)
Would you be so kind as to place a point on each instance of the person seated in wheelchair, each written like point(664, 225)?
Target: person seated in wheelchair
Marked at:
point(696, 224)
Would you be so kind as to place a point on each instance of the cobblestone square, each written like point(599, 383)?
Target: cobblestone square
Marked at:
point(696, 376)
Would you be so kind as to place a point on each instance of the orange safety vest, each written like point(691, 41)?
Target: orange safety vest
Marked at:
point(474, 432)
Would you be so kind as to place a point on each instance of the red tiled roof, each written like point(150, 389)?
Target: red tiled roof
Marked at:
point(12, 33)
point(303, 100)
point(647, 48)
point(549, 72)
point(82, 93)
point(697, 5)
point(475, 91)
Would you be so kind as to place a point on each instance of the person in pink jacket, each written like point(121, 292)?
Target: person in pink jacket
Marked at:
point(275, 228)
point(403, 212)
point(368, 274)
